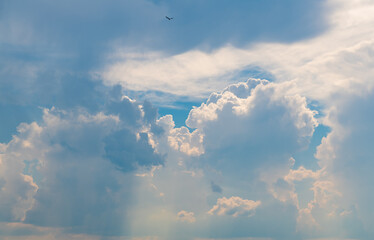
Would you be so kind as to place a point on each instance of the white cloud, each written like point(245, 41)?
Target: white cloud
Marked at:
point(245, 134)
point(338, 59)
point(335, 69)
point(178, 139)
point(331, 68)
point(189, 143)
point(185, 216)
point(234, 206)
point(193, 73)
point(66, 170)
point(300, 174)
point(17, 190)
point(347, 155)
point(243, 121)
point(248, 133)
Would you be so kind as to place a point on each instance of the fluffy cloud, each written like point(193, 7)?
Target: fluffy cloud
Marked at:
point(234, 206)
point(300, 174)
point(185, 216)
point(346, 153)
point(247, 135)
point(17, 189)
point(74, 169)
point(242, 137)
point(178, 139)
point(243, 122)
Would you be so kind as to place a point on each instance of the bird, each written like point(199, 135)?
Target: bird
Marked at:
point(168, 18)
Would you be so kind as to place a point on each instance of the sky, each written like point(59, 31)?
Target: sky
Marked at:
point(235, 120)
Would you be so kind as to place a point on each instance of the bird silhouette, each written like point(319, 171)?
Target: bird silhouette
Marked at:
point(168, 18)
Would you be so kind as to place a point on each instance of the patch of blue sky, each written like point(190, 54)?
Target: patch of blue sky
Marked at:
point(31, 169)
point(180, 106)
point(254, 72)
point(167, 104)
point(207, 24)
point(12, 115)
point(306, 157)
point(179, 111)
point(210, 24)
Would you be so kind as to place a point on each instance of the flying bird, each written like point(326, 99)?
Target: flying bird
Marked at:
point(168, 18)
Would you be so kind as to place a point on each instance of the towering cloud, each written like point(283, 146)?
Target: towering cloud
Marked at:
point(252, 125)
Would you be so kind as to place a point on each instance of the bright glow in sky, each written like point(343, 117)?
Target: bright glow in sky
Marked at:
point(236, 120)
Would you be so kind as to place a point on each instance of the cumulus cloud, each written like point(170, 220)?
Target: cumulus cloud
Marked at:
point(346, 154)
point(323, 201)
point(179, 139)
point(17, 189)
point(238, 108)
point(234, 206)
point(185, 216)
point(284, 187)
point(244, 135)
point(189, 143)
point(74, 169)
point(250, 99)
point(249, 132)
point(240, 124)
point(300, 174)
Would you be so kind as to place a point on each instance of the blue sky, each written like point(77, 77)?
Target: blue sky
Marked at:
point(236, 120)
